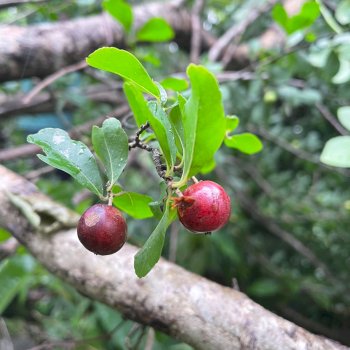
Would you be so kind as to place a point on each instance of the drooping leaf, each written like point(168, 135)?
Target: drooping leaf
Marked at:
point(137, 103)
point(162, 128)
point(175, 117)
point(336, 152)
point(126, 65)
point(121, 11)
point(72, 157)
point(150, 253)
point(344, 116)
point(203, 121)
point(246, 142)
point(134, 204)
point(175, 84)
point(155, 30)
point(110, 143)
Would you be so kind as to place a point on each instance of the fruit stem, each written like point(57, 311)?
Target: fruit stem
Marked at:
point(194, 179)
point(179, 193)
point(110, 198)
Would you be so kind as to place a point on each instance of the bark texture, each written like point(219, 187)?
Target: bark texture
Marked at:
point(182, 304)
point(40, 50)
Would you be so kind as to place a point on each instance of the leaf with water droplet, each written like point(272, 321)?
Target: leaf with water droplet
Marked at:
point(72, 157)
point(110, 143)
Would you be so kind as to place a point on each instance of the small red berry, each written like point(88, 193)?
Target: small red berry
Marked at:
point(102, 229)
point(204, 207)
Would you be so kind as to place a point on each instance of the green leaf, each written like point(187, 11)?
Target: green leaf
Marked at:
point(308, 14)
point(134, 204)
point(110, 143)
point(336, 152)
point(343, 74)
point(232, 123)
point(155, 30)
point(137, 103)
point(121, 11)
point(280, 15)
point(204, 121)
point(72, 157)
point(150, 253)
point(344, 116)
point(264, 288)
point(175, 117)
point(174, 84)
point(246, 143)
point(126, 65)
point(162, 128)
point(342, 13)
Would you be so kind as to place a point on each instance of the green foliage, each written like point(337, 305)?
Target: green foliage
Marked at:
point(121, 11)
point(309, 12)
point(150, 253)
point(73, 157)
point(203, 121)
point(174, 84)
point(342, 13)
point(336, 152)
point(162, 128)
point(111, 145)
point(126, 65)
point(344, 116)
point(13, 275)
point(246, 143)
point(154, 30)
point(134, 204)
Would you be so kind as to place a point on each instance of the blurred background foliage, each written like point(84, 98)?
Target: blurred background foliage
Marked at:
point(287, 244)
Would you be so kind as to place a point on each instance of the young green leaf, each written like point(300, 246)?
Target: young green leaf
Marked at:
point(174, 84)
point(121, 11)
point(336, 152)
point(155, 30)
point(232, 123)
point(134, 204)
point(344, 116)
point(247, 143)
point(162, 128)
point(126, 65)
point(204, 121)
point(73, 157)
point(150, 253)
point(110, 143)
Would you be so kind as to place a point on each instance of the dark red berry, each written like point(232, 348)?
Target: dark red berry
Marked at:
point(102, 229)
point(204, 207)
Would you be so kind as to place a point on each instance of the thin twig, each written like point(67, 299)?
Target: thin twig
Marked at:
point(238, 29)
point(52, 78)
point(196, 31)
point(332, 120)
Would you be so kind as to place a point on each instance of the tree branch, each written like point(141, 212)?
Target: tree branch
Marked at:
point(182, 304)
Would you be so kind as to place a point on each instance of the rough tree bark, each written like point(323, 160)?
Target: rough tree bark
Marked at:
point(40, 50)
point(182, 304)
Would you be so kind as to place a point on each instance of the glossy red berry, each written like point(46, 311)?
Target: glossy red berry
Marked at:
point(204, 207)
point(102, 229)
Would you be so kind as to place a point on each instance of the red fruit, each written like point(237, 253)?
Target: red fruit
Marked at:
point(102, 229)
point(204, 207)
